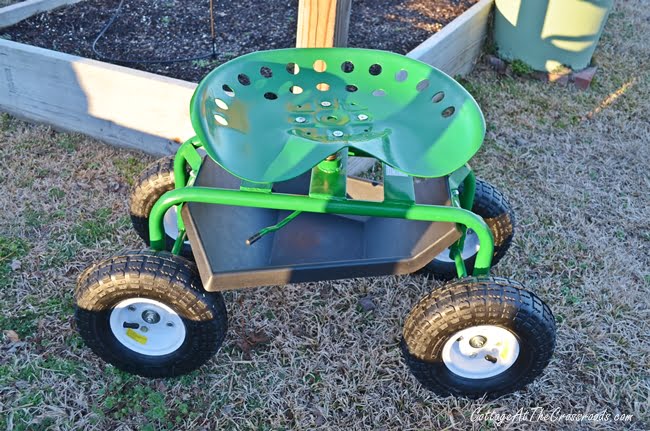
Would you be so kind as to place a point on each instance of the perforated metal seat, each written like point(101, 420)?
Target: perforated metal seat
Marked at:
point(270, 116)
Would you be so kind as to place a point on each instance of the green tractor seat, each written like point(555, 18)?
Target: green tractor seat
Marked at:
point(270, 116)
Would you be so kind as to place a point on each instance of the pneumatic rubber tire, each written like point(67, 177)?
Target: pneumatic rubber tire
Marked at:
point(493, 207)
point(156, 180)
point(476, 302)
point(157, 277)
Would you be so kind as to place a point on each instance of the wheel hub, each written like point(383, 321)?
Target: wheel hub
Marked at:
point(147, 326)
point(477, 341)
point(480, 352)
point(170, 223)
point(470, 248)
point(150, 316)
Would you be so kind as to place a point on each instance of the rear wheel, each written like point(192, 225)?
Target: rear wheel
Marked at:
point(147, 313)
point(156, 180)
point(493, 207)
point(478, 336)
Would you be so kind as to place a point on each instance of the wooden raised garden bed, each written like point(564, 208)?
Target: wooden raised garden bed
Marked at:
point(138, 109)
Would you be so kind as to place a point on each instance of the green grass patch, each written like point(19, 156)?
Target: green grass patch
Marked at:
point(35, 370)
point(125, 397)
point(7, 122)
point(35, 218)
point(59, 253)
point(96, 228)
point(92, 165)
point(520, 68)
point(6, 374)
point(11, 248)
point(56, 193)
point(24, 323)
point(61, 306)
point(129, 169)
point(62, 366)
point(471, 88)
point(570, 296)
point(69, 142)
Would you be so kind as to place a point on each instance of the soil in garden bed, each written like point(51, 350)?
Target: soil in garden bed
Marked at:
point(172, 29)
point(4, 3)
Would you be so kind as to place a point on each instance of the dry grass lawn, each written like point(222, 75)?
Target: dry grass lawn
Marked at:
point(574, 166)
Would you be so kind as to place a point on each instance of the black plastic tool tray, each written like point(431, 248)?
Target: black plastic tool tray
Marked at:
point(313, 246)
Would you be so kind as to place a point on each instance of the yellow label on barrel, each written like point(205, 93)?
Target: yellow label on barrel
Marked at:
point(137, 337)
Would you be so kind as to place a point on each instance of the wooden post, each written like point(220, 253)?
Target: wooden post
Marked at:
point(323, 23)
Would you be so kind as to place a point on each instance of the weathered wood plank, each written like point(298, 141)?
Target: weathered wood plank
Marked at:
point(456, 47)
point(12, 14)
point(323, 23)
point(118, 105)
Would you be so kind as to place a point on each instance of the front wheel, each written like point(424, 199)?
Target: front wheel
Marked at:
point(147, 313)
point(156, 180)
point(478, 336)
point(493, 207)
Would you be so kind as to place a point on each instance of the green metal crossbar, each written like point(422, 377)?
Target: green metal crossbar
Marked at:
point(286, 202)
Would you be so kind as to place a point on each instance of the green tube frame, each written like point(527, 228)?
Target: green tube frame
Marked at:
point(278, 201)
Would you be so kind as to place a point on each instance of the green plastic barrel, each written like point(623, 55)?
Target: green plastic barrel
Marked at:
point(546, 34)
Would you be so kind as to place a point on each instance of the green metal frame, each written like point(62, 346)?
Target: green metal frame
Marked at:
point(270, 116)
point(327, 195)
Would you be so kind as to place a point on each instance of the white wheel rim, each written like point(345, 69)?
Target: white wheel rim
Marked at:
point(147, 326)
point(470, 248)
point(480, 352)
point(170, 223)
